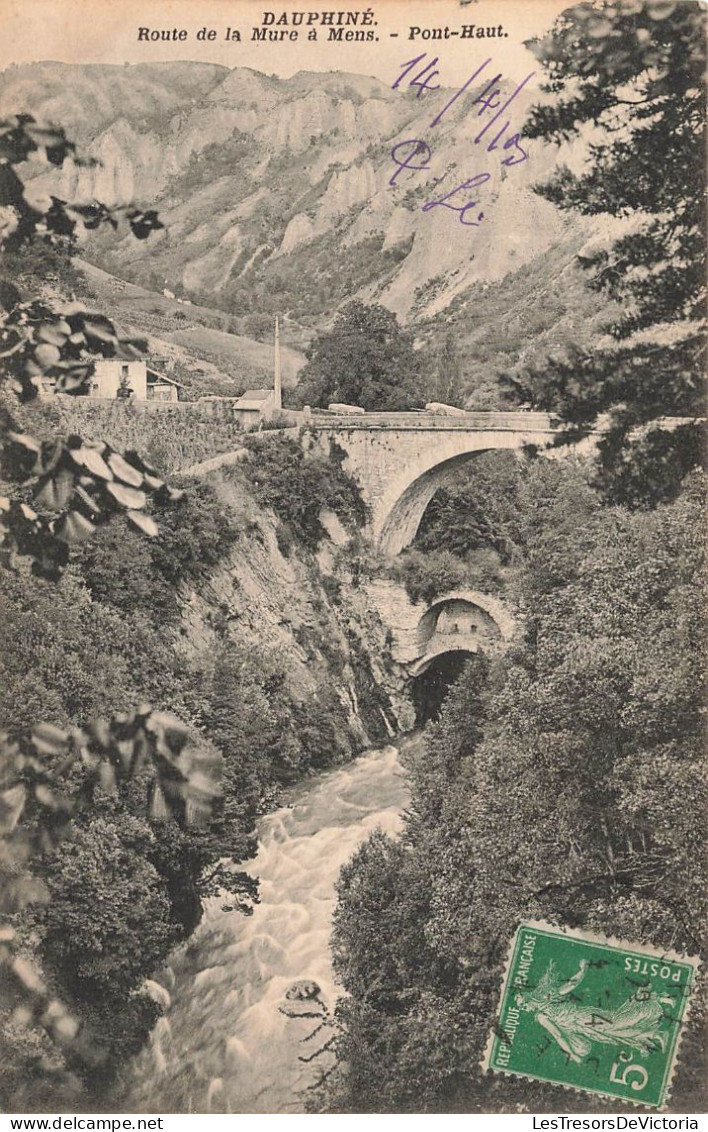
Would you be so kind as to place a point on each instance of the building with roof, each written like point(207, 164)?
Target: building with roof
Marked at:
point(257, 405)
point(116, 379)
point(254, 406)
point(160, 387)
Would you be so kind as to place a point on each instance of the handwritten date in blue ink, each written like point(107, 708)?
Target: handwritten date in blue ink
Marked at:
point(413, 155)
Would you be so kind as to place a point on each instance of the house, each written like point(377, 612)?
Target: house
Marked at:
point(160, 387)
point(114, 379)
point(112, 374)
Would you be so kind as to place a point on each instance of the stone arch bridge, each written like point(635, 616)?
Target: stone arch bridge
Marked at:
point(464, 620)
point(400, 459)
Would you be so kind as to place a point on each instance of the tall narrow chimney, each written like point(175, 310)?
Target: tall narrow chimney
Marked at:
point(277, 385)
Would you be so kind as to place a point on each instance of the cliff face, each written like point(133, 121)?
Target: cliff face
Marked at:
point(270, 594)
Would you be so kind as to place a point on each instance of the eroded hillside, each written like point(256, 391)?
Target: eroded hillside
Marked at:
point(276, 198)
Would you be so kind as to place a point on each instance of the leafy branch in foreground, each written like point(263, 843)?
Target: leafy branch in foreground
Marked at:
point(36, 810)
point(75, 484)
point(62, 489)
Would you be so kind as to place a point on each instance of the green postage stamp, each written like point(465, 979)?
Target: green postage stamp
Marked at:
point(591, 1014)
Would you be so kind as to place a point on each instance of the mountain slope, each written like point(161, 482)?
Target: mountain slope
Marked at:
point(276, 198)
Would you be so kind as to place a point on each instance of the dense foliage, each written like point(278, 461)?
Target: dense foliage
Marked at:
point(297, 485)
point(478, 525)
point(630, 79)
point(126, 881)
point(566, 782)
point(366, 359)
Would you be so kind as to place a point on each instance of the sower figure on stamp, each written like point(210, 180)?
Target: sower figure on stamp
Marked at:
point(575, 1027)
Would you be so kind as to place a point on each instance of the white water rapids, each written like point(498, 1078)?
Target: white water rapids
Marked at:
point(242, 995)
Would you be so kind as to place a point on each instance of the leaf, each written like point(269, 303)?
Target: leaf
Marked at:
point(46, 797)
point(660, 9)
point(153, 483)
point(158, 805)
point(203, 784)
point(147, 525)
point(87, 500)
point(100, 732)
point(92, 460)
point(64, 1027)
point(26, 441)
point(124, 471)
point(101, 330)
point(12, 803)
point(46, 356)
point(28, 976)
point(75, 528)
point(127, 496)
point(48, 739)
point(56, 492)
point(24, 891)
point(107, 777)
point(55, 333)
point(176, 733)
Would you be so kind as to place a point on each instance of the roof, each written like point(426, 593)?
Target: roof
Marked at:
point(162, 378)
point(253, 398)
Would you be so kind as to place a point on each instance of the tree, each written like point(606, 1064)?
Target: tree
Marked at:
point(565, 783)
point(366, 359)
point(448, 382)
point(628, 79)
point(75, 486)
point(106, 923)
point(298, 484)
point(125, 390)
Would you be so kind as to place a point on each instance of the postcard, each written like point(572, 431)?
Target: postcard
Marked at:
point(351, 558)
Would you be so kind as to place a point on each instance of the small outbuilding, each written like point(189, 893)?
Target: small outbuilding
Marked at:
point(254, 406)
point(160, 387)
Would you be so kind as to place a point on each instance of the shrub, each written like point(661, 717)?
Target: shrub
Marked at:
point(426, 576)
point(298, 485)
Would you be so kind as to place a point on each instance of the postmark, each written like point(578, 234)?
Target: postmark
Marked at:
point(592, 1014)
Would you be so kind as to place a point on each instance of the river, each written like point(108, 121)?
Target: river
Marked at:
point(249, 997)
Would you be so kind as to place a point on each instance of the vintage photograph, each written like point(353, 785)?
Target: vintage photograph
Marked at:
point(352, 630)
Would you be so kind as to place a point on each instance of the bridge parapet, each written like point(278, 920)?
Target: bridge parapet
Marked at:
point(421, 422)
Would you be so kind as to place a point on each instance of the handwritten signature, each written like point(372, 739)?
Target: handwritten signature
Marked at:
point(414, 154)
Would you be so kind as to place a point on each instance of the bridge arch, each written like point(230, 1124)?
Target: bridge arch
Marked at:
point(400, 459)
point(398, 513)
point(459, 621)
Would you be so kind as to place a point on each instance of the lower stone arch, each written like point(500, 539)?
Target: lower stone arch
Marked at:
point(460, 621)
point(418, 667)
